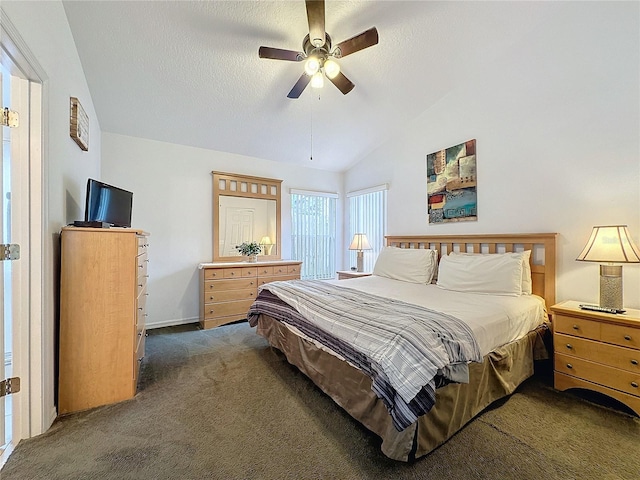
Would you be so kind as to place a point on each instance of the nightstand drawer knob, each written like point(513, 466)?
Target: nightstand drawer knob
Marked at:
point(569, 365)
point(634, 362)
point(634, 384)
point(569, 346)
point(627, 337)
point(576, 327)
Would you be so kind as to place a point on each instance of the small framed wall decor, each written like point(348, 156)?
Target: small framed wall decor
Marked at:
point(79, 124)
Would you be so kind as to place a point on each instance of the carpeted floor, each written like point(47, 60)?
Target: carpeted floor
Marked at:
point(221, 404)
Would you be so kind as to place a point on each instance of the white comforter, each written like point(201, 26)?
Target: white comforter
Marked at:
point(494, 319)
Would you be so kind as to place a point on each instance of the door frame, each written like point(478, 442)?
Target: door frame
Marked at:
point(33, 341)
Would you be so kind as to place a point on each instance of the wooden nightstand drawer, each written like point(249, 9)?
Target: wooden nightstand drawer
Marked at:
point(579, 327)
point(621, 335)
point(601, 374)
point(610, 355)
point(291, 269)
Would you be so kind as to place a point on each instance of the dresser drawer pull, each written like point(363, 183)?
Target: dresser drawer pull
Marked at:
point(233, 273)
point(634, 362)
point(569, 346)
point(634, 384)
point(251, 283)
point(251, 294)
point(576, 327)
point(569, 365)
point(627, 337)
point(140, 285)
point(211, 297)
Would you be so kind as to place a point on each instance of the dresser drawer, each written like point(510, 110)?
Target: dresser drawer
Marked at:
point(213, 273)
point(143, 262)
point(611, 355)
point(240, 272)
point(280, 269)
point(222, 285)
point(279, 278)
point(615, 378)
point(293, 269)
point(620, 335)
point(143, 245)
point(579, 327)
point(225, 309)
point(228, 295)
point(266, 270)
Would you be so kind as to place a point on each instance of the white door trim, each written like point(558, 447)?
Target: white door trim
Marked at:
point(36, 346)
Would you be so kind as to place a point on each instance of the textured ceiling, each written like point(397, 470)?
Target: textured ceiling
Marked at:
point(188, 72)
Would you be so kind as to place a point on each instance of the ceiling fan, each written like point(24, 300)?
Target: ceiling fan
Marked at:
point(318, 54)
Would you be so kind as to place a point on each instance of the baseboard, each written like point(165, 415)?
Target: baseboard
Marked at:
point(171, 323)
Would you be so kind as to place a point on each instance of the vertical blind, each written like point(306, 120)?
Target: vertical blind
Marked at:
point(368, 215)
point(313, 233)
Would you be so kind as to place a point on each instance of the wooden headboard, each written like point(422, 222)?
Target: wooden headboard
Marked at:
point(542, 246)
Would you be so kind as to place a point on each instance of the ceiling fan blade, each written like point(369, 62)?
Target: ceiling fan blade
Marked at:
point(280, 54)
point(361, 41)
point(343, 83)
point(300, 85)
point(315, 16)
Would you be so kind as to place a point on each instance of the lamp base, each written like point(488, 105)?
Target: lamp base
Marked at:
point(611, 286)
point(360, 260)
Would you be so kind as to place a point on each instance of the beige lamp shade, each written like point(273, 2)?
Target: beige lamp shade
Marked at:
point(266, 245)
point(359, 242)
point(610, 244)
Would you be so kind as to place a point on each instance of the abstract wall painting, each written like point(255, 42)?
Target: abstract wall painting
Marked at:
point(451, 184)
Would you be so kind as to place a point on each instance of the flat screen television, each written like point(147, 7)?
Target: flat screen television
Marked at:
point(108, 204)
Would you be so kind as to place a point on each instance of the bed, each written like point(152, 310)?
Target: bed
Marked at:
point(490, 366)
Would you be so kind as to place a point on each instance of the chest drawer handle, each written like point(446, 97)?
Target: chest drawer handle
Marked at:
point(569, 365)
point(634, 384)
point(634, 362)
point(569, 346)
point(627, 337)
point(576, 327)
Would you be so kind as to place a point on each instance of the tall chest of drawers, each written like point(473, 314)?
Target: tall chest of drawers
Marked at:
point(103, 292)
point(597, 351)
point(227, 290)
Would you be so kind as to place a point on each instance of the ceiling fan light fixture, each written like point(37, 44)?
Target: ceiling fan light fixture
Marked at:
point(317, 80)
point(312, 65)
point(331, 68)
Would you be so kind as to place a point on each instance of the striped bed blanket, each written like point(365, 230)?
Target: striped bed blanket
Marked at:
point(407, 350)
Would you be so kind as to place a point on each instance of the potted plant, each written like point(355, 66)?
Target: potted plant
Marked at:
point(249, 250)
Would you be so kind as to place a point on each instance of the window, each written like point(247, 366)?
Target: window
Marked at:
point(313, 233)
point(368, 215)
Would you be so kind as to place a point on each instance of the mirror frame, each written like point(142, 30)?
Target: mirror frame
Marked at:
point(260, 188)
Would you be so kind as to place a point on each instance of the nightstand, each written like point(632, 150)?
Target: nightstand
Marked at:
point(597, 351)
point(346, 274)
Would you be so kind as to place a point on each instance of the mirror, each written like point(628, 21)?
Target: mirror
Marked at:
point(245, 209)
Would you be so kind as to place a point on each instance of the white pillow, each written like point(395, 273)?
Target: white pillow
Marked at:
point(485, 274)
point(526, 266)
point(415, 265)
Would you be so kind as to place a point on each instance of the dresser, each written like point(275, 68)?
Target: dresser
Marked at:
point(597, 351)
point(103, 292)
point(227, 289)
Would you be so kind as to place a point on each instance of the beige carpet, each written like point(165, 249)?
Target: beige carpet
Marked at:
point(221, 404)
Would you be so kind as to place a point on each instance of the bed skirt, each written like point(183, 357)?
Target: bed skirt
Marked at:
point(497, 376)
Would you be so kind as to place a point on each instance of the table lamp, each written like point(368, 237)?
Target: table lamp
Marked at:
point(610, 244)
point(360, 243)
point(266, 244)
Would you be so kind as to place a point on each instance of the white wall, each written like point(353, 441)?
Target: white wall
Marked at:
point(172, 200)
point(45, 31)
point(557, 124)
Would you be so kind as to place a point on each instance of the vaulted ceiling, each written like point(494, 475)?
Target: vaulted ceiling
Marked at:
point(188, 72)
